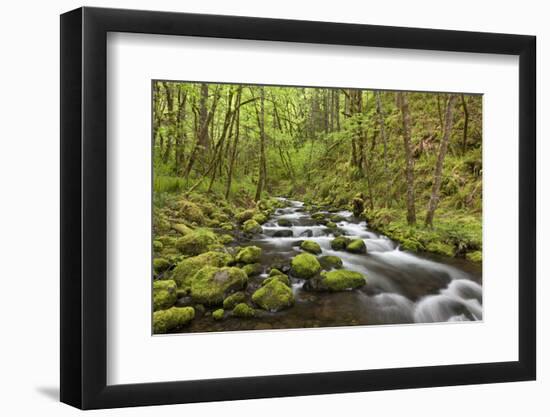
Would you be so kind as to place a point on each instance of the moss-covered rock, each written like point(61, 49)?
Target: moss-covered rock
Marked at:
point(160, 265)
point(173, 318)
point(304, 266)
point(331, 225)
point(196, 242)
point(244, 311)
point(475, 256)
point(228, 227)
point(218, 314)
point(252, 269)
point(225, 239)
point(339, 243)
point(164, 294)
point(282, 278)
point(284, 222)
point(318, 216)
point(356, 246)
point(157, 246)
point(234, 299)
point(273, 296)
point(275, 271)
point(260, 218)
point(190, 212)
point(336, 218)
point(185, 270)
point(357, 205)
point(249, 255)
point(245, 215)
point(182, 229)
point(211, 285)
point(330, 262)
point(311, 247)
point(167, 241)
point(161, 225)
point(252, 227)
point(342, 280)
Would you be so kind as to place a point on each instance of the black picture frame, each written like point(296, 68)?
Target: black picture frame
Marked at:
point(84, 207)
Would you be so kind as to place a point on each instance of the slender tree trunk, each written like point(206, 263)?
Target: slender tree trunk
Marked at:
point(466, 117)
point(409, 170)
point(234, 148)
point(203, 138)
point(170, 116)
point(382, 125)
point(262, 167)
point(434, 199)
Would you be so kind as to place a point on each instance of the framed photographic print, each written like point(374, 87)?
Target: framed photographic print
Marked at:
point(256, 208)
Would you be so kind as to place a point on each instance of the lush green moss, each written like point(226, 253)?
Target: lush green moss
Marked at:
point(182, 229)
point(440, 248)
point(218, 314)
point(282, 278)
point(243, 310)
point(274, 296)
point(475, 256)
point(335, 218)
point(318, 216)
point(252, 269)
point(161, 225)
point(225, 239)
point(342, 280)
point(249, 255)
point(252, 227)
point(304, 266)
point(166, 241)
point(356, 246)
point(165, 320)
point(164, 294)
point(196, 242)
point(330, 262)
point(357, 205)
point(157, 246)
point(234, 299)
point(340, 243)
point(191, 212)
point(245, 215)
point(211, 285)
point(228, 227)
point(160, 265)
point(275, 271)
point(260, 218)
point(186, 269)
point(311, 247)
point(331, 225)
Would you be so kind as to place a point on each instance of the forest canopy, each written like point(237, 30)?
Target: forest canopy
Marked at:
point(408, 162)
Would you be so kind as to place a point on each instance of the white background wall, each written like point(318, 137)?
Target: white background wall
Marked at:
point(29, 219)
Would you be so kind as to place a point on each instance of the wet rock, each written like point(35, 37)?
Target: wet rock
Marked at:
point(284, 223)
point(243, 310)
point(356, 246)
point(307, 233)
point(330, 262)
point(339, 243)
point(304, 266)
point(311, 247)
point(283, 233)
point(249, 255)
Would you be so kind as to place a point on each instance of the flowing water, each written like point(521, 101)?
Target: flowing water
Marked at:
point(401, 287)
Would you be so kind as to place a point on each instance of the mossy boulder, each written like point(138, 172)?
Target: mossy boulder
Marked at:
point(273, 296)
point(191, 212)
point(196, 242)
point(160, 265)
point(476, 256)
point(245, 215)
point(342, 280)
point(252, 227)
point(275, 271)
point(218, 314)
point(228, 227)
point(358, 205)
point(340, 243)
point(356, 246)
point(311, 247)
point(249, 255)
point(234, 299)
point(157, 246)
point(173, 318)
point(330, 262)
point(252, 269)
point(282, 278)
point(164, 294)
point(225, 239)
point(284, 222)
point(304, 266)
point(244, 311)
point(318, 216)
point(211, 285)
point(185, 270)
point(335, 218)
point(260, 218)
point(166, 241)
point(331, 225)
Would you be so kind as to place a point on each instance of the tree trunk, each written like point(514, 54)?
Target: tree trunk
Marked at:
point(409, 170)
point(434, 199)
point(466, 117)
point(382, 125)
point(234, 148)
point(262, 167)
point(203, 138)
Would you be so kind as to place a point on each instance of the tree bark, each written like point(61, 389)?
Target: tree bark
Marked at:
point(466, 117)
point(409, 169)
point(262, 168)
point(434, 199)
point(382, 125)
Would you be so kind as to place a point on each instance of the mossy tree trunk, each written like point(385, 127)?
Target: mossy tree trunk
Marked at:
point(403, 103)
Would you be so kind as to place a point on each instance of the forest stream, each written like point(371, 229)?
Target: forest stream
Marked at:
point(401, 287)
